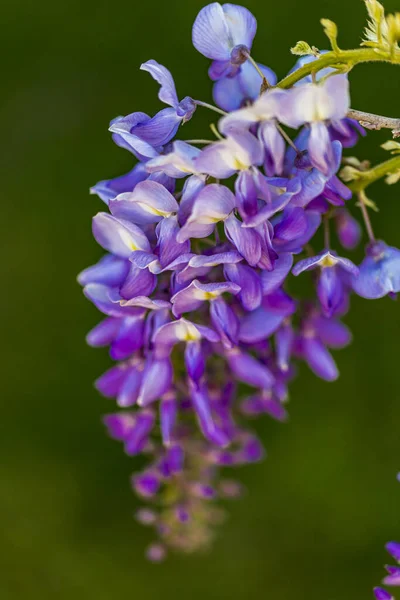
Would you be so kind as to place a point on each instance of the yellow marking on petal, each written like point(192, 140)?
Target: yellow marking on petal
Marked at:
point(187, 332)
point(210, 295)
point(185, 169)
point(127, 239)
point(328, 261)
point(152, 210)
point(238, 165)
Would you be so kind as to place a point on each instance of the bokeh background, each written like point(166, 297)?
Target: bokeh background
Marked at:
point(320, 508)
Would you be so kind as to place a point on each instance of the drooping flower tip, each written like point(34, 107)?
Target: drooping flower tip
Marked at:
point(145, 516)
point(382, 594)
point(394, 549)
point(156, 553)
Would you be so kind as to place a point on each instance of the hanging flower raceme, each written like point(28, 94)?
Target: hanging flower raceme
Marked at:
point(200, 240)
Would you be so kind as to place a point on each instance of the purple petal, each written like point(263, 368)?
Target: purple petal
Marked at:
point(274, 146)
point(279, 302)
point(272, 280)
point(100, 296)
point(109, 189)
point(143, 260)
point(130, 338)
point(249, 370)
point(124, 135)
point(175, 458)
point(216, 160)
point(218, 29)
point(323, 259)
point(263, 110)
point(148, 203)
point(213, 260)
point(225, 322)
point(168, 415)
point(313, 219)
point(259, 325)
point(128, 394)
point(394, 550)
point(249, 281)
point(110, 270)
point(139, 282)
point(109, 384)
point(264, 404)
point(393, 578)
point(194, 361)
point(247, 241)
point(167, 93)
point(319, 359)
point(104, 333)
point(242, 24)
point(212, 204)
point(157, 379)
point(181, 330)
point(201, 405)
point(207, 333)
point(146, 485)
point(160, 129)
point(231, 93)
point(117, 236)
point(292, 225)
point(191, 297)
point(144, 302)
point(239, 151)
point(381, 594)
point(120, 425)
point(320, 148)
point(178, 163)
point(312, 185)
point(330, 290)
point(379, 272)
point(332, 332)
point(336, 192)
point(346, 131)
point(252, 451)
point(169, 248)
point(247, 194)
point(210, 34)
point(348, 230)
point(249, 150)
point(269, 210)
point(283, 343)
point(310, 103)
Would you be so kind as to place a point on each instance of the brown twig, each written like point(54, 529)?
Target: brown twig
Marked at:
point(376, 122)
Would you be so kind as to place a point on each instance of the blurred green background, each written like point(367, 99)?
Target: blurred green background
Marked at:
point(320, 508)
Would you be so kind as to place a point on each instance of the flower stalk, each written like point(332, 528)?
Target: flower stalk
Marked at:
point(363, 179)
point(343, 61)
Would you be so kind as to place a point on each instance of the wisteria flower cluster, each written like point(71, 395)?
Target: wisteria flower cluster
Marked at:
point(202, 238)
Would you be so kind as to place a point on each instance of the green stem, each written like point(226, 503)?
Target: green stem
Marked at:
point(287, 138)
point(210, 107)
point(347, 58)
point(367, 177)
point(364, 211)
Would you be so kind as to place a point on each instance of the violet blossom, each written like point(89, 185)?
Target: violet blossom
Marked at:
point(193, 287)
